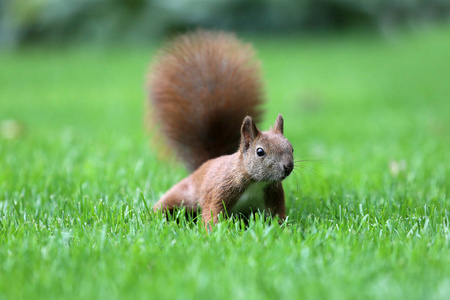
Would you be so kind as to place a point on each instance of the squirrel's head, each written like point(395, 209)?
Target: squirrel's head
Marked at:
point(268, 155)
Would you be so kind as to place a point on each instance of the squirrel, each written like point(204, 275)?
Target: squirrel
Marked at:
point(205, 90)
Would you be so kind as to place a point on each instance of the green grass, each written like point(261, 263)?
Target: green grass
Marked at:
point(370, 221)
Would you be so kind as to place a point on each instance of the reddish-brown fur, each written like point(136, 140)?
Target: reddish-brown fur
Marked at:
point(219, 183)
point(201, 88)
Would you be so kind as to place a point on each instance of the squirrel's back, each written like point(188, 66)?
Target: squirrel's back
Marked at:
point(201, 86)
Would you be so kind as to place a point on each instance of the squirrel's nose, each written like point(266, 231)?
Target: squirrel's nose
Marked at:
point(288, 167)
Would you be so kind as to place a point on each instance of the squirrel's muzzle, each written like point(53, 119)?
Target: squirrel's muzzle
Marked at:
point(288, 167)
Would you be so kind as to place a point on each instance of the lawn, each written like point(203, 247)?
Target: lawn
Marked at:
point(368, 213)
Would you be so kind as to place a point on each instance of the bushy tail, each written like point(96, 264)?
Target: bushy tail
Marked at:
point(201, 86)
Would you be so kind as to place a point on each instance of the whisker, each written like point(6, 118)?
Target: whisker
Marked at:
point(308, 156)
point(303, 164)
point(313, 171)
point(310, 160)
point(296, 180)
point(303, 177)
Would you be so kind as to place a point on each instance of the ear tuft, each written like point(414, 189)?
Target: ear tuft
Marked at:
point(249, 132)
point(279, 124)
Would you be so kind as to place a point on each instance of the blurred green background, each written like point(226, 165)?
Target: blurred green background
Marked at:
point(62, 21)
point(364, 87)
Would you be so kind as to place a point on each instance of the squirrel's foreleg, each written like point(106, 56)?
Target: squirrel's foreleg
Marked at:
point(274, 200)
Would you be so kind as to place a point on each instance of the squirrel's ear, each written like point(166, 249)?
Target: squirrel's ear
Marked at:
point(249, 132)
point(279, 124)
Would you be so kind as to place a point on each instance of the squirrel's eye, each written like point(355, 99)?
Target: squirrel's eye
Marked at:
point(292, 150)
point(260, 152)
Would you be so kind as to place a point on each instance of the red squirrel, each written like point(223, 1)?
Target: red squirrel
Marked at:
point(203, 88)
